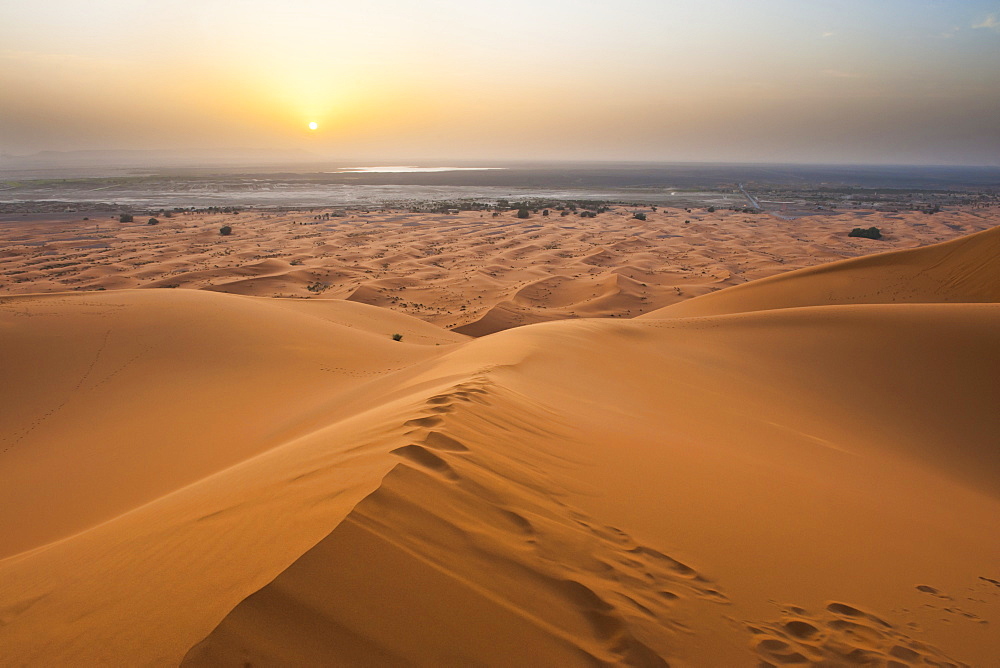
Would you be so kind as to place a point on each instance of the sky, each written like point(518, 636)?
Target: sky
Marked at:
point(808, 81)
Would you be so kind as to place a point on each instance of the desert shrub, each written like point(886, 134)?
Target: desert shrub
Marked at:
point(869, 233)
point(545, 212)
point(711, 209)
point(152, 221)
point(522, 212)
point(639, 215)
point(397, 337)
point(125, 218)
point(225, 230)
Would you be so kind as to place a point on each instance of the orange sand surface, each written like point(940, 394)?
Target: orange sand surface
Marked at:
point(798, 470)
point(467, 271)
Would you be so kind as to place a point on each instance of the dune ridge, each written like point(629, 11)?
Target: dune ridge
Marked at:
point(489, 538)
point(813, 481)
point(960, 270)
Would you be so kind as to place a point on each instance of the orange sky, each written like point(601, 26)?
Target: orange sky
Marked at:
point(776, 80)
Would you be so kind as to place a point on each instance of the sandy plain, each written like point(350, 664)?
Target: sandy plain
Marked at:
point(800, 469)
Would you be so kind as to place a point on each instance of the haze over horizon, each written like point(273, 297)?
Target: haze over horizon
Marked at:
point(776, 81)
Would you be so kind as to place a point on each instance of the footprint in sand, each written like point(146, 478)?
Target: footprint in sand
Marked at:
point(424, 458)
point(951, 609)
point(842, 634)
point(438, 441)
point(425, 422)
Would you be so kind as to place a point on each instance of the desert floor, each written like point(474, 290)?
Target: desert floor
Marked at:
point(380, 468)
point(470, 271)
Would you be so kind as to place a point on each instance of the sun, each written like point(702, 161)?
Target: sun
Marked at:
point(313, 125)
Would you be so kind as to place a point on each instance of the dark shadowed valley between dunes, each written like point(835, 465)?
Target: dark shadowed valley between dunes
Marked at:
point(790, 458)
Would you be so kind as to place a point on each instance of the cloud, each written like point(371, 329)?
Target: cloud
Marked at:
point(990, 23)
point(829, 34)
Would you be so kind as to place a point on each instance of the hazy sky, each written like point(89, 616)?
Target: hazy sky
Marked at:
point(884, 81)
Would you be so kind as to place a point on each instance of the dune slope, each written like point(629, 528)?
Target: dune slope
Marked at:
point(666, 508)
point(119, 397)
point(961, 270)
point(813, 484)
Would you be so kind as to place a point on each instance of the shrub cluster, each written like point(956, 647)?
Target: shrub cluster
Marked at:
point(869, 233)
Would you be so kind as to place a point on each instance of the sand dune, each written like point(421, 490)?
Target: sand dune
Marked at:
point(771, 480)
point(645, 519)
point(468, 271)
point(124, 396)
point(961, 270)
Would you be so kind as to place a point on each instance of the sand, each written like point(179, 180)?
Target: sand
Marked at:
point(798, 470)
point(470, 271)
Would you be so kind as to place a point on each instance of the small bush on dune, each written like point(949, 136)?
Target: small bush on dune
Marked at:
point(125, 218)
point(869, 233)
point(152, 221)
point(225, 230)
point(638, 215)
point(522, 213)
point(397, 337)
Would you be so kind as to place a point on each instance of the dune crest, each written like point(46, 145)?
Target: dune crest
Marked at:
point(486, 537)
point(963, 270)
